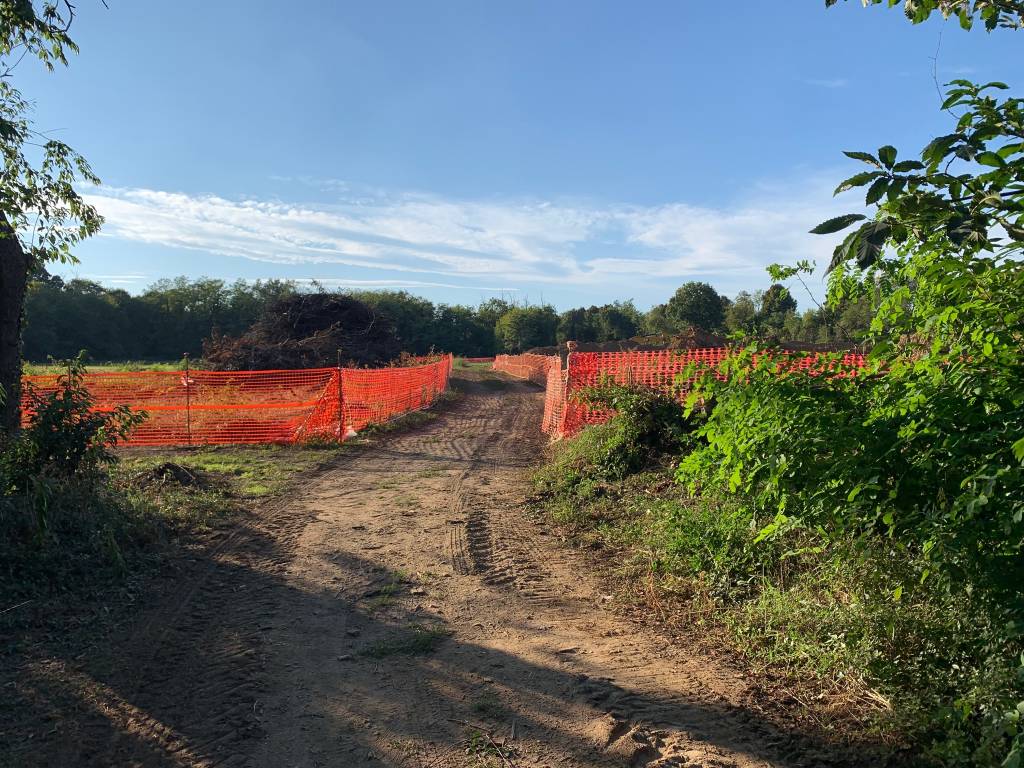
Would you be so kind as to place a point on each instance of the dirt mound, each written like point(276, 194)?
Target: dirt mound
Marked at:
point(306, 331)
point(170, 473)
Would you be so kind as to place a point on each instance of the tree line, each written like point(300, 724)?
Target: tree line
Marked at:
point(174, 316)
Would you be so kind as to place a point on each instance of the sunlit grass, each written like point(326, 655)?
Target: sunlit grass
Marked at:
point(251, 471)
point(123, 366)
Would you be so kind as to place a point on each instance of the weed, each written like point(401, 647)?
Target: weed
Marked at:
point(488, 705)
point(416, 640)
point(385, 596)
point(487, 751)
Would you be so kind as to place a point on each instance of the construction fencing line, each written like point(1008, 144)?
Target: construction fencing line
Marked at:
point(222, 407)
point(565, 414)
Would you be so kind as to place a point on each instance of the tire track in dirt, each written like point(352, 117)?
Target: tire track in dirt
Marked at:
point(532, 647)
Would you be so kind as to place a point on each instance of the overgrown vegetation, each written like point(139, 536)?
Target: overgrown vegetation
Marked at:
point(931, 669)
point(867, 526)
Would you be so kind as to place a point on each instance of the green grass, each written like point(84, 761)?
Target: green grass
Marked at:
point(489, 706)
point(385, 596)
point(415, 640)
point(461, 362)
point(249, 471)
point(38, 369)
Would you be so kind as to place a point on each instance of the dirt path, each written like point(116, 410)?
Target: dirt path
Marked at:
point(401, 610)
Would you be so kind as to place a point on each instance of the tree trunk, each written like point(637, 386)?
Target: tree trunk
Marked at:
point(14, 269)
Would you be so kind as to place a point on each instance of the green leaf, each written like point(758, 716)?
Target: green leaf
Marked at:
point(843, 250)
point(897, 593)
point(876, 190)
point(858, 180)
point(887, 155)
point(1010, 149)
point(954, 98)
point(866, 157)
point(1018, 450)
point(837, 224)
point(908, 165)
point(991, 159)
point(895, 189)
point(939, 147)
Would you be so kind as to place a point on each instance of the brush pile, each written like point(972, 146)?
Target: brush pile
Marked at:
point(306, 330)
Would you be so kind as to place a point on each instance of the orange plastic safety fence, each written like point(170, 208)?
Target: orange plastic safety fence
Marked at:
point(565, 414)
point(479, 359)
point(219, 407)
point(535, 368)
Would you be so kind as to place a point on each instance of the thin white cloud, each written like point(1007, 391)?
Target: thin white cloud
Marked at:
point(340, 282)
point(421, 241)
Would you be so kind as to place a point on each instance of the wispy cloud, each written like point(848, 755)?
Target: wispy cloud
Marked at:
point(341, 282)
point(116, 279)
point(423, 241)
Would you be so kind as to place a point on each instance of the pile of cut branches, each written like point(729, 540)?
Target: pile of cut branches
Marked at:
point(306, 330)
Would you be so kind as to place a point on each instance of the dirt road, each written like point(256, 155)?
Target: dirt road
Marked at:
point(402, 610)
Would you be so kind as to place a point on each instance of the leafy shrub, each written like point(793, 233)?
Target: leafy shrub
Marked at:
point(923, 451)
point(648, 423)
point(66, 436)
point(54, 496)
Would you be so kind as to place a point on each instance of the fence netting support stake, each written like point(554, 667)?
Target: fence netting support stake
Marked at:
point(188, 399)
point(341, 404)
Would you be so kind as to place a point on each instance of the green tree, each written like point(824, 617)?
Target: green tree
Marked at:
point(609, 322)
point(575, 325)
point(657, 321)
point(776, 312)
point(523, 328)
point(696, 304)
point(459, 329)
point(618, 320)
point(413, 317)
point(741, 313)
point(42, 216)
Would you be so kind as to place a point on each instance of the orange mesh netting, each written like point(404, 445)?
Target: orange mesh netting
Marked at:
point(216, 407)
point(565, 414)
point(532, 367)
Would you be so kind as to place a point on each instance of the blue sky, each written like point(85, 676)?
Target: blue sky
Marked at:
point(575, 152)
